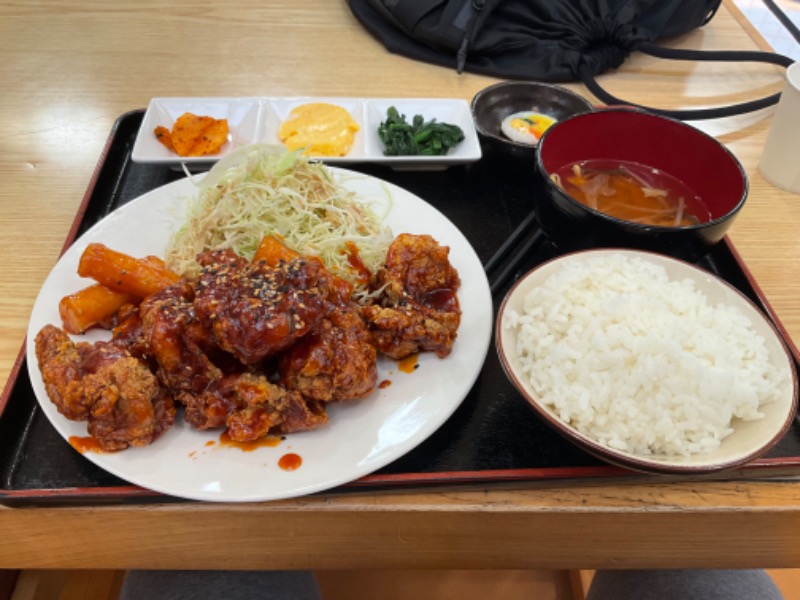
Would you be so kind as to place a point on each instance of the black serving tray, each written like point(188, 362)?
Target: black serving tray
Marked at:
point(494, 436)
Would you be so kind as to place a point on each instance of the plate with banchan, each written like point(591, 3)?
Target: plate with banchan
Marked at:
point(260, 120)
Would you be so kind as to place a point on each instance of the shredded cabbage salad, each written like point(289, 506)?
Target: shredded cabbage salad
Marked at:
point(264, 190)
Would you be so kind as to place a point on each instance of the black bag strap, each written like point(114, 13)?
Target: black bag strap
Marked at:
point(587, 77)
point(784, 19)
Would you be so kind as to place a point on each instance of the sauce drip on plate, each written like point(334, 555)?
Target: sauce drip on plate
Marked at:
point(84, 444)
point(408, 364)
point(290, 461)
point(264, 442)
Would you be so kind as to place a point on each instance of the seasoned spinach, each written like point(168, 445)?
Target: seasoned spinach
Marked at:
point(418, 138)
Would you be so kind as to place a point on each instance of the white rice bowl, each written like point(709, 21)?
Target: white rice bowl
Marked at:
point(647, 357)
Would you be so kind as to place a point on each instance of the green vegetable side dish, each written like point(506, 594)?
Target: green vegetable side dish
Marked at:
point(419, 138)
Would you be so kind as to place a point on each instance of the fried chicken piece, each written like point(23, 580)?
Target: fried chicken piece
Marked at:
point(128, 331)
point(410, 329)
point(177, 340)
point(131, 408)
point(336, 362)
point(250, 406)
point(417, 309)
point(60, 362)
point(210, 407)
point(299, 414)
point(105, 385)
point(271, 409)
point(420, 267)
point(256, 311)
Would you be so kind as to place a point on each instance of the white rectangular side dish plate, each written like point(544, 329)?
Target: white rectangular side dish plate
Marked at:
point(257, 120)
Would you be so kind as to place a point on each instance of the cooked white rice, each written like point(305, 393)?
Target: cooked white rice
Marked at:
point(640, 363)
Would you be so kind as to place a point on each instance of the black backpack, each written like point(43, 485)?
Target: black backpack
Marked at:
point(549, 40)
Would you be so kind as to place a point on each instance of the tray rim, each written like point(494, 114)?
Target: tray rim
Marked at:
point(392, 480)
point(766, 468)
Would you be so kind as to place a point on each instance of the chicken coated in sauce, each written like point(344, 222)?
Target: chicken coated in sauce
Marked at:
point(267, 408)
point(177, 341)
point(106, 386)
point(256, 311)
point(255, 349)
point(250, 407)
point(336, 362)
point(417, 308)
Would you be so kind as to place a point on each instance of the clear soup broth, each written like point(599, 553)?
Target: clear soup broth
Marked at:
point(633, 192)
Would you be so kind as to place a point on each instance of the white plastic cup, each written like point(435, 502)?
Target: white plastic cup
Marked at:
point(780, 161)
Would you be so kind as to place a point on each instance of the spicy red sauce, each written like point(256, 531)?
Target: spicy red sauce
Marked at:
point(290, 461)
point(268, 442)
point(408, 364)
point(444, 299)
point(363, 274)
point(85, 444)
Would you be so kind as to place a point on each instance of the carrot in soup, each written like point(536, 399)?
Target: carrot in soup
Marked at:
point(632, 192)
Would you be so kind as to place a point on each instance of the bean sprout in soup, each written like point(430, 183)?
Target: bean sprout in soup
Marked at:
point(632, 192)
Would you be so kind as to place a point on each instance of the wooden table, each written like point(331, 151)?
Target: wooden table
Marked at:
point(69, 69)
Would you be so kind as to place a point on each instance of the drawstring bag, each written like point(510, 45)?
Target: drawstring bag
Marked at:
point(550, 40)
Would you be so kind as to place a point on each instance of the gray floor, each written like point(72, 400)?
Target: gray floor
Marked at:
point(770, 27)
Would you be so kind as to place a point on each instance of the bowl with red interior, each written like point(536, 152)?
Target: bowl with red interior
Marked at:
point(628, 178)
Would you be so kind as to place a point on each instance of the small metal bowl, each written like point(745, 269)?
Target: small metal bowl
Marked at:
point(496, 102)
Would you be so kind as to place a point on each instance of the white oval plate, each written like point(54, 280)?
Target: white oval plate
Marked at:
point(361, 436)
